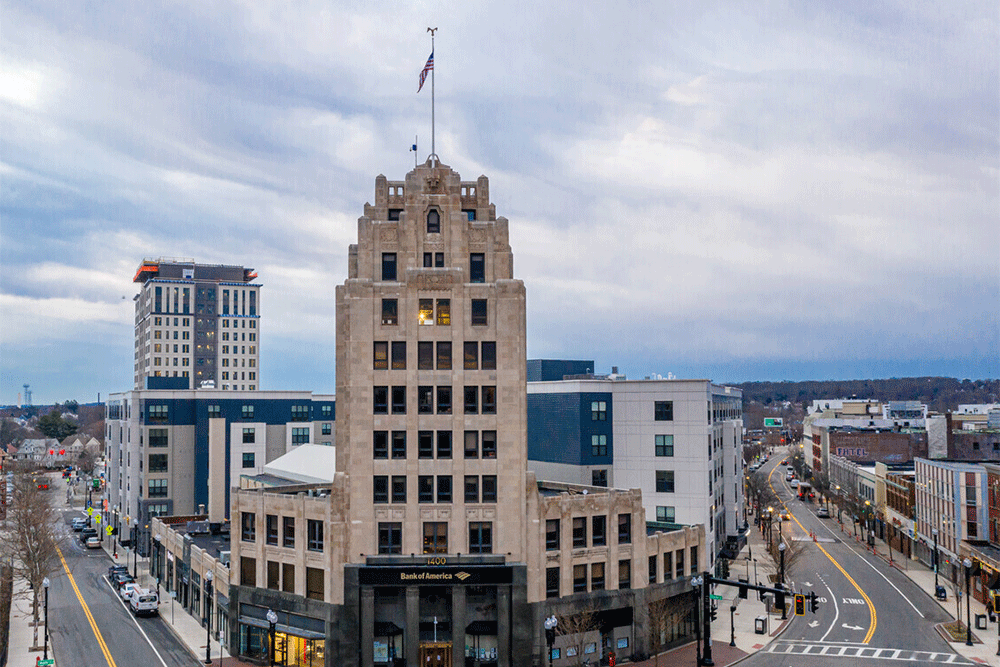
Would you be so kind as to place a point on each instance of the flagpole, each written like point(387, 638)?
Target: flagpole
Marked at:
point(433, 152)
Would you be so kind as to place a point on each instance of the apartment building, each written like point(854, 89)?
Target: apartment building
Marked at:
point(951, 498)
point(171, 450)
point(677, 441)
point(435, 545)
point(197, 321)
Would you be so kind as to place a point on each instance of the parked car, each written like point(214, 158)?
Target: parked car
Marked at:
point(115, 569)
point(823, 513)
point(143, 601)
point(119, 579)
point(87, 533)
point(78, 524)
point(93, 542)
point(794, 483)
point(126, 590)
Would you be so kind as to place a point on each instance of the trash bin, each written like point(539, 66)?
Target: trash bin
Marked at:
point(980, 621)
point(760, 625)
point(940, 593)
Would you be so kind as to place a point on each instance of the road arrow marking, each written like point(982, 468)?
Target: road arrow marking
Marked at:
point(851, 627)
point(807, 584)
point(814, 624)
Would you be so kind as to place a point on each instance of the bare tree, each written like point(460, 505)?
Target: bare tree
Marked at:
point(793, 553)
point(29, 541)
point(576, 624)
point(665, 616)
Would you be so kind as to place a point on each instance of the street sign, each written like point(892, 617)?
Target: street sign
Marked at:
point(107, 529)
point(772, 422)
point(713, 596)
point(45, 663)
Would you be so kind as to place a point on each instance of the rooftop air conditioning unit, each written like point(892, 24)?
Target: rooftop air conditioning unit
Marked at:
point(224, 557)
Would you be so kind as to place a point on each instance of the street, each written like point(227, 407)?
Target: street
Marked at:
point(868, 610)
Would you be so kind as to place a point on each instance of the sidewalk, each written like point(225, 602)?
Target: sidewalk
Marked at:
point(22, 634)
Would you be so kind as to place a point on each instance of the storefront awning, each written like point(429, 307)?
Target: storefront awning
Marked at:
point(280, 627)
point(387, 629)
point(481, 628)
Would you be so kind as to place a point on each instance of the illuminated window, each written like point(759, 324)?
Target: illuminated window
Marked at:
point(426, 314)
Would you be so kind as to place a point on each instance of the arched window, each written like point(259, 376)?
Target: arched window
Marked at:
point(433, 222)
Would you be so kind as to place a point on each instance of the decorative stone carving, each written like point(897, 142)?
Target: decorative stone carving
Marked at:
point(389, 234)
point(432, 279)
point(477, 235)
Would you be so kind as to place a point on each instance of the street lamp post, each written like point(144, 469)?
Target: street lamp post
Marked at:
point(208, 617)
point(781, 550)
point(732, 624)
point(696, 584)
point(968, 603)
point(45, 638)
point(272, 620)
point(934, 532)
point(550, 624)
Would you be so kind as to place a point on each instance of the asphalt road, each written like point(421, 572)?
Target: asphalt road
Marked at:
point(868, 612)
point(90, 625)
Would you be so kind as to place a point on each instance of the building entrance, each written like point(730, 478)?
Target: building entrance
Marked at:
point(435, 654)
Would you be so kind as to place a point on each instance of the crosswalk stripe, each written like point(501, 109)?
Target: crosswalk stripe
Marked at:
point(787, 647)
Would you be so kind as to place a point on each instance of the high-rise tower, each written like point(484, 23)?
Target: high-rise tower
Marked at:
point(197, 321)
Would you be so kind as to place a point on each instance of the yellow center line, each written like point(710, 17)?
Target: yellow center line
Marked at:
point(86, 611)
point(871, 607)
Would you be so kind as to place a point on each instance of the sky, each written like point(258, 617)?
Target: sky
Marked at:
point(736, 190)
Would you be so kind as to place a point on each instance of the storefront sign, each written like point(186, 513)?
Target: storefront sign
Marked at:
point(451, 576)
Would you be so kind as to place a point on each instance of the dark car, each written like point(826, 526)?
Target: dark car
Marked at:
point(115, 569)
point(87, 532)
point(119, 579)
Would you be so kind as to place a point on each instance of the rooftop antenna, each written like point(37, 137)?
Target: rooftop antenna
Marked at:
point(429, 67)
point(413, 149)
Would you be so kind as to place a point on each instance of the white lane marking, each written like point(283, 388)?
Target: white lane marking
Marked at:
point(127, 611)
point(836, 610)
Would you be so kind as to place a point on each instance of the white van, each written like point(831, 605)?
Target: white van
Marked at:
point(143, 601)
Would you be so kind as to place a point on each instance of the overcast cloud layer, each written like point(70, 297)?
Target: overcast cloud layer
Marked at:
point(734, 191)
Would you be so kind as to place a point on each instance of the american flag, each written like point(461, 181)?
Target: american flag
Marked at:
point(427, 68)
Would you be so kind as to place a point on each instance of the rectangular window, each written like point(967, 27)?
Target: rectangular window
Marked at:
point(597, 576)
point(599, 445)
point(444, 444)
point(425, 316)
point(489, 444)
point(380, 400)
point(247, 412)
point(471, 400)
point(480, 537)
point(663, 411)
point(380, 444)
point(472, 444)
point(444, 356)
point(471, 355)
point(214, 411)
point(444, 400)
point(380, 355)
point(288, 531)
point(580, 578)
point(327, 429)
point(472, 488)
point(489, 400)
point(248, 571)
point(551, 582)
point(314, 583)
point(390, 312)
point(288, 577)
point(380, 486)
point(477, 267)
point(327, 411)
point(552, 534)
point(479, 316)
point(300, 413)
point(425, 489)
point(425, 400)
point(300, 436)
point(624, 529)
point(158, 463)
point(390, 538)
point(680, 562)
point(599, 478)
point(489, 488)
point(599, 530)
point(624, 574)
point(399, 355)
point(248, 525)
point(579, 532)
point(444, 312)
point(249, 460)
point(425, 444)
point(665, 514)
point(158, 437)
point(444, 489)
point(668, 565)
point(489, 355)
point(435, 537)
point(425, 356)
point(664, 445)
point(273, 574)
point(271, 529)
point(249, 435)
point(159, 414)
point(652, 569)
point(157, 488)
point(389, 266)
point(314, 531)
point(399, 444)
point(399, 400)
point(664, 481)
point(439, 260)
point(694, 560)
point(399, 488)
point(428, 260)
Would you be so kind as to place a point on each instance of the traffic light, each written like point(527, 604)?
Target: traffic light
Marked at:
point(813, 602)
point(744, 591)
point(779, 601)
point(800, 604)
point(713, 612)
